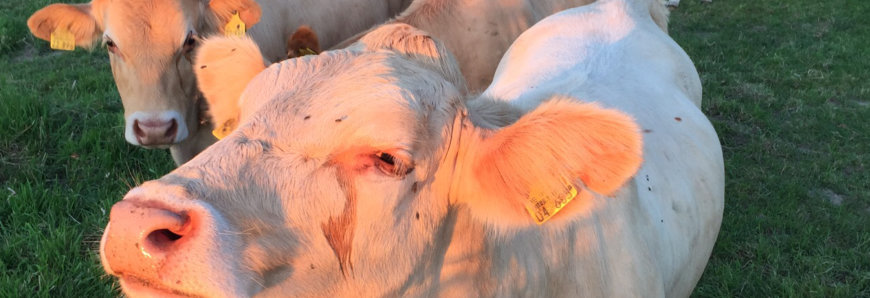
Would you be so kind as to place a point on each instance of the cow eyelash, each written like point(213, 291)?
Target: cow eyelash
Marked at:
point(390, 165)
point(190, 42)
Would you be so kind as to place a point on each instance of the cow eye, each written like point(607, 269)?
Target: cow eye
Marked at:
point(190, 42)
point(390, 165)
point(110, 45)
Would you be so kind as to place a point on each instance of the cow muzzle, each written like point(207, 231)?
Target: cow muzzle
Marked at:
point(139, 237)
point(155, 130)
point(166, 245)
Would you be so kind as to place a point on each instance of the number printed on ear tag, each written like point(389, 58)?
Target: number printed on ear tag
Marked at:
point(235, 27)
point(62, 39)
point(543, 205)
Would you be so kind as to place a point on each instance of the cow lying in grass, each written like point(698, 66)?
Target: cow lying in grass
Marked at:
point(152, 44)
point(365, 172)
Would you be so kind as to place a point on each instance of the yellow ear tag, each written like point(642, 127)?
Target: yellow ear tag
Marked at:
point(235, 27)
point(542, 206)
point(306, 52)
point(225, 129)
point(62, 39)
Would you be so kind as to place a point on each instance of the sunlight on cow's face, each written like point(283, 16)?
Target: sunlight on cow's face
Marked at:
point(347, 173)
point(334, 174)
point(150, 48)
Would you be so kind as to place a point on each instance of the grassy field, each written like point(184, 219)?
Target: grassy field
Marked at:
point(785, 84)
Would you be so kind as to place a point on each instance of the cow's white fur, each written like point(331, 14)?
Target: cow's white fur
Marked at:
point(307, 152)
point(612, 55)
point(152, 75)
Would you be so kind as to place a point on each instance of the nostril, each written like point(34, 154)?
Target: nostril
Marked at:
point(160, 240)
point(165, 234)
point(173, 129)
point(138, 130)
point(142, 235)
point(169, 234)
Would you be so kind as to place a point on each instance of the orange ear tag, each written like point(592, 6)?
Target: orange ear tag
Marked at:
point(62, 39)
point(235, 27)
point(543, 205)
point(225, 129)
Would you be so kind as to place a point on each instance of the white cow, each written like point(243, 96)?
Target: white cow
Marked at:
point(364, 172)
point(152, 44)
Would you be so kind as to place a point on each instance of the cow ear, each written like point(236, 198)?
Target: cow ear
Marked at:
point(224, 65)
point(303, 42)
point(418, 46)
point(248, 10)
point(75, 18)
point(557, 153)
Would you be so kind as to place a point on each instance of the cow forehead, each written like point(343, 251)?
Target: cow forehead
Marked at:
point(346, 99)
point(144, 29)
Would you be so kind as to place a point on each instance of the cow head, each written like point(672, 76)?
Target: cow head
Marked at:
point(151, 46)
point(303, 42)
point(346, 171)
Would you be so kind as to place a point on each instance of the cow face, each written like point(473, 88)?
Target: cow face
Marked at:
point(151, 46)
point(346, 174)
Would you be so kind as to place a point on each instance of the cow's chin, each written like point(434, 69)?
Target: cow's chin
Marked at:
point(135, 287)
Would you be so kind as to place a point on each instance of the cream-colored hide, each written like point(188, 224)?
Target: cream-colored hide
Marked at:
point(152, 44)
point(479, 32)
point(365, 172)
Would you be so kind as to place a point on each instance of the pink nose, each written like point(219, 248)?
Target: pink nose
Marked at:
point(140, 238)
point(155, 132)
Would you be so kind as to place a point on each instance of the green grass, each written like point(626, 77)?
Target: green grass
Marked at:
point(63, 163)
point(786, 83)
point(787, 86)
